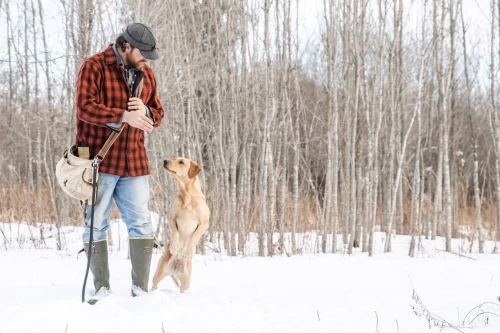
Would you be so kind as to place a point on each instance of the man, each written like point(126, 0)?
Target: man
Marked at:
point(104, 102)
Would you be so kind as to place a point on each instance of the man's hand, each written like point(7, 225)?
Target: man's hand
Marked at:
point(136, 104)
point(136, 115)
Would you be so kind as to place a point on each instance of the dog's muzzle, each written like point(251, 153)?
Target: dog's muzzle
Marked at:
point(165, 165)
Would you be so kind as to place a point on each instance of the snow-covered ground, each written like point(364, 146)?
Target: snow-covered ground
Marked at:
point(40, 290)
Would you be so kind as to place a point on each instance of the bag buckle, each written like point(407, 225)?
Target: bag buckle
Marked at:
point(96, 162)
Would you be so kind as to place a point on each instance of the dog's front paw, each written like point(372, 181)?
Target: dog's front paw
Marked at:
point(187, 255)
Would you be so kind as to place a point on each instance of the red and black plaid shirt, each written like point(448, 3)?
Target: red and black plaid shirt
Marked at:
point(102, 94)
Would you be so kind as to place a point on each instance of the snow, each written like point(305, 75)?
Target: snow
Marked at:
point(40, 290)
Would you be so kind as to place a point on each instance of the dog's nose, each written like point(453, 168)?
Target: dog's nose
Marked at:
point(165, 162)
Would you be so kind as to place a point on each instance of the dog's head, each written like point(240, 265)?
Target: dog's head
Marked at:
point(182, 169)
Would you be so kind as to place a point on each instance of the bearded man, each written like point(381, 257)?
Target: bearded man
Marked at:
point(104, 102)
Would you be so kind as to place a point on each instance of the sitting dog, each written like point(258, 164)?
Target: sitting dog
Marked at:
point(189, 220)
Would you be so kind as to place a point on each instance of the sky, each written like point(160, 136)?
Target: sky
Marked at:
point(476, 12)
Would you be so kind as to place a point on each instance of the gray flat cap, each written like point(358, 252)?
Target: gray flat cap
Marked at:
point(141, 36)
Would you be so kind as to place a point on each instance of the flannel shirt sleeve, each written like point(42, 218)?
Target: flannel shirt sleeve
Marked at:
point(88, 107)
point(154, 105)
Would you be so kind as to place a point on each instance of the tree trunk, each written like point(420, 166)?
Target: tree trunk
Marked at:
point(388, 247)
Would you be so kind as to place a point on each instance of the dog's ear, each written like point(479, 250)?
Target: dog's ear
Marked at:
point(194, 170)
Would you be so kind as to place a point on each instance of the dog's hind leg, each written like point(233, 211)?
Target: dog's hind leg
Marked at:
point(177, 267)
point(176, 281)
point(163, 268)
point(186, 279)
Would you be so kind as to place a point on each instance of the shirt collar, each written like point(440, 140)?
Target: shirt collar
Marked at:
point(119, 59)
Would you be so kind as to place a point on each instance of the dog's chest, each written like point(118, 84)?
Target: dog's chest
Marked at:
point(186, 225)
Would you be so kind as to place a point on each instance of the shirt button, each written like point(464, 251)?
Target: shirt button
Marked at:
point(128, 152)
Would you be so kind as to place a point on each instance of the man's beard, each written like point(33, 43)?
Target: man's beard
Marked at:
point(139, 64)
point(134, 64)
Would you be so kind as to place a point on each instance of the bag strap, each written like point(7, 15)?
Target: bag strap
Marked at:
point(116, 132)
point(109, 142)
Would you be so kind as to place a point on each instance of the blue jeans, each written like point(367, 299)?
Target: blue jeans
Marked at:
point(131, 195)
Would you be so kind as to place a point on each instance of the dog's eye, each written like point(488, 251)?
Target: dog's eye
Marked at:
point(181, 162)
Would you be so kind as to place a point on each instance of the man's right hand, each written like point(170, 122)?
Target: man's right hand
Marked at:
point(139, 120)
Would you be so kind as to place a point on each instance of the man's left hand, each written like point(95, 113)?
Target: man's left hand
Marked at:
point(136, 104)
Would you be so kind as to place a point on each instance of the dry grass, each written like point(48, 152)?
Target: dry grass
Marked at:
point(23, 206)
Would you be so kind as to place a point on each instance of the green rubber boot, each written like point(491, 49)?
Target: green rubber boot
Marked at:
point(141, 251)
point(100, 268)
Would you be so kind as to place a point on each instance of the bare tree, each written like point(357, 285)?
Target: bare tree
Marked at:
point(293, 134)
point(388, 247)
point(415, 222)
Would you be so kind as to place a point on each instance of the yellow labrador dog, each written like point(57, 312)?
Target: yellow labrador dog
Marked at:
point(189, 220)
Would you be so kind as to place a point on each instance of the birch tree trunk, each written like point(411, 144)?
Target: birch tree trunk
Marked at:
point(331, 21)
point(266, 136)
point(10, 108)
point(286, 87)
point(38, 141)
point(393, 123)
point(416, 191)
point(443, 89)
point(477, 193)
point(379, 113)
point(494, 115)
point(26, 102)
point(416, 187)
point(387, 247)
point(296, 149)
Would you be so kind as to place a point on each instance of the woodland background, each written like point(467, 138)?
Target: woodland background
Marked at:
point(385, 123)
